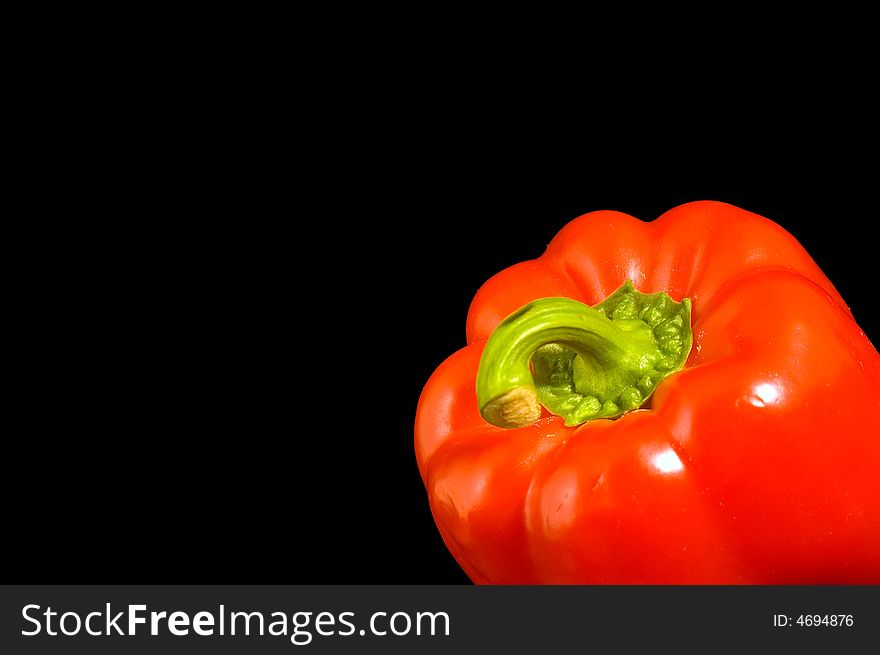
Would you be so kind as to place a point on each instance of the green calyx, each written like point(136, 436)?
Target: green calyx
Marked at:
point(582, 362)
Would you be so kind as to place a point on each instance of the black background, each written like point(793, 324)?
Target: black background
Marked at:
point(225, 351)
point(234, 258)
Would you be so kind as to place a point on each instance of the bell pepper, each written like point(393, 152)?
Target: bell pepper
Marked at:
point(682, 401)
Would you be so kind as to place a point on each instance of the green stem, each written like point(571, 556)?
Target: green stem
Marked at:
point(581, 362)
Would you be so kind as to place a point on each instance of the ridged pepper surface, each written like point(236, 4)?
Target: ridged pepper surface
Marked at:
point(681, 401)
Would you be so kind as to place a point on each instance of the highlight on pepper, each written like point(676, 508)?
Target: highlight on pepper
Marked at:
point(681, 401)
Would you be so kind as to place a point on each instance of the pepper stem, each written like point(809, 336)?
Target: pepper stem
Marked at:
point(582, 362)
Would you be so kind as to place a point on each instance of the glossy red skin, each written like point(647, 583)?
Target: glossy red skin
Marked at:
point(759, 463)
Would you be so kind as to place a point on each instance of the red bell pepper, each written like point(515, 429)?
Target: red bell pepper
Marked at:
point(720, 425)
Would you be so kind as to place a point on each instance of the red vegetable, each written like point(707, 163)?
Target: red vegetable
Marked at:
point(733, 437)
